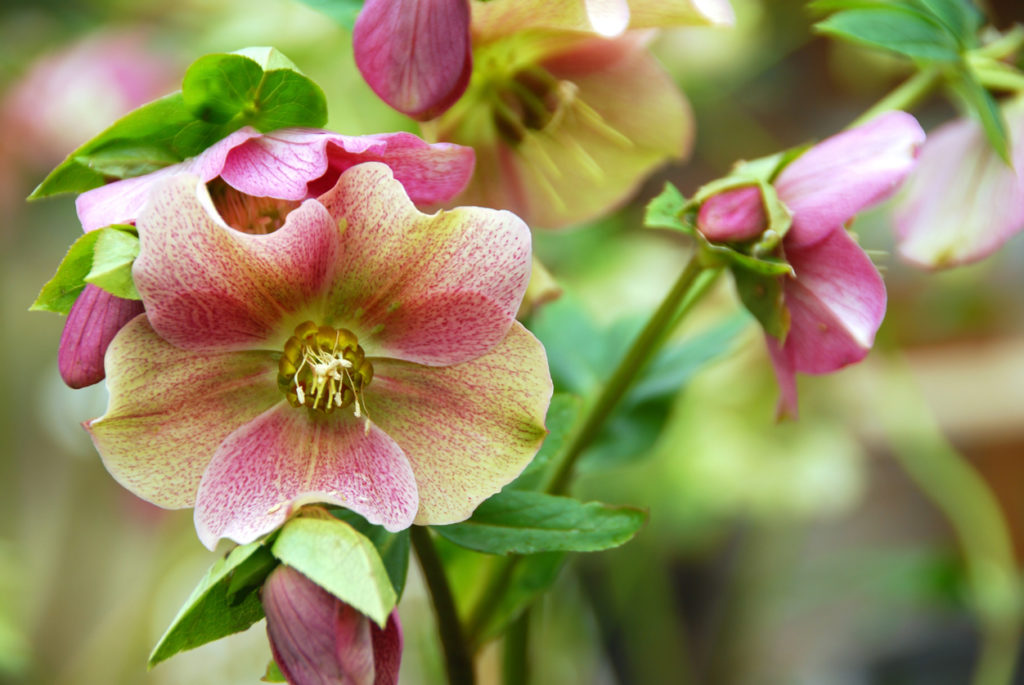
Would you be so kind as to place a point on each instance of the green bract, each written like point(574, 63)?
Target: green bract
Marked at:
point(102, 257)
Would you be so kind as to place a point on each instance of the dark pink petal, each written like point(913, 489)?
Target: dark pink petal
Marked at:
point(387, 650)
point(467, 429)
point(414, 54)
point(316, 638)
point(851, 171)
point(209, 287)
point(171, 408)
point(286, 458)
point(94, 320)
point(122, 201)
point(297, 164)
point(435, 289)
point(785, 374)
point(733, 215)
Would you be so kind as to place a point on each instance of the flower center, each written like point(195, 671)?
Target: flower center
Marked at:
point(324, 369)
point(525, 102)
point(248, 213)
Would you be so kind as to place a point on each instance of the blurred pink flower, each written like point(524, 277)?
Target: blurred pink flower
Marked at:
point(836, 299)
point(363, 354)
point(963, 202)
point(255, 179)
point(316, 638)
point(567, 113)
point(415, 55)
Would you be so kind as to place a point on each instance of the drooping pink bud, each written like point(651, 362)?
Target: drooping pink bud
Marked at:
point(415, 55)
point(319, 640)
point(94, 320)
point(733, 215)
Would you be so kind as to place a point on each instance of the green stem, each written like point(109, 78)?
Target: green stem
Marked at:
point(643, 347)
point(515, 667)
point(966, 500)
point(457, 659)
point(904, 96)
point(1007, 79)
point(1004, 46)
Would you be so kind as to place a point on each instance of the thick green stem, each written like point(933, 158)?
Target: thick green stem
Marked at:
point(905, 96)
point(515, 664)
point(458, 661)
point(643, 347)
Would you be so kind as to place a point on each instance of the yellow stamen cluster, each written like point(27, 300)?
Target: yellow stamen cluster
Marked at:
point(324, 369)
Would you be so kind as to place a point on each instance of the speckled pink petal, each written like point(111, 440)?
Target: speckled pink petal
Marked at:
point(414, 54)
point(209, 287)
point(121, 202)
point(624, 118)
point(963, 202)
point(296, 164)
point(94, 320)
point(286, 458)
point(785, 374)
point(434, 289)
point(851, 171)
point(316, 638)
point(467, 429)
point(170, 408)
point(836, 304)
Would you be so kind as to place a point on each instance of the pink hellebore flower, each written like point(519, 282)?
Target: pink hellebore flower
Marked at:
point(836, 301)
point(317, 639)
point(963, 201)
point(255, 179)
point(415, 55)
point(567, 113)
point(364, 355)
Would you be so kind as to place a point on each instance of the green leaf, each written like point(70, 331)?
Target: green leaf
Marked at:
point(220, 94)
point(666, 210)
point(523, 522)
point(961, 18)
point(273, 674)
point(531, 577)
point(392, 547)
point(763, 297)
point(343, 561)
point(216, 88)
point(215, 610)
point(563, 413)
point(61, 291)
point(986, 110)
point(342, 11)
point(113, 255)
point(896, 28)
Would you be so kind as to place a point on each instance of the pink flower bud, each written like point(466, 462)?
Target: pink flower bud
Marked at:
point(94, 320)
point(319, 640)
point(733, 216)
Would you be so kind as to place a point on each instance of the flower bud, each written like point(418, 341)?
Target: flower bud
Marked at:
point(317, 639)
point(94, 320)
point(733, 215)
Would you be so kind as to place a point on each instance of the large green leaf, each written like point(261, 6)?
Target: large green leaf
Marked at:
point(900, 29)
point(340, 559)
point(226, 601)
point(220, 94)
point(523, 522)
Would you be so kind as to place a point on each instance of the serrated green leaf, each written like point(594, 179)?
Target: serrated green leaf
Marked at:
point(61, 291)
point(219, 87)
point(113, 255)
point(342, 11)
point(524, 522)
point(666, 210)
point(340, 559)
point(211, 611)
point(763, 297)
point(899, 29)
point(392, 547)
point(563, 414)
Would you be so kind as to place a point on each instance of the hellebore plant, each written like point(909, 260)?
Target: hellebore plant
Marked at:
point(317, 638)
point(833, 300)
point(254, 180)
point(363, 354)
point(566, 113)
point(963, 202)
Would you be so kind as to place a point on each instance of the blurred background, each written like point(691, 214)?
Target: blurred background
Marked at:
point(876, 541)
